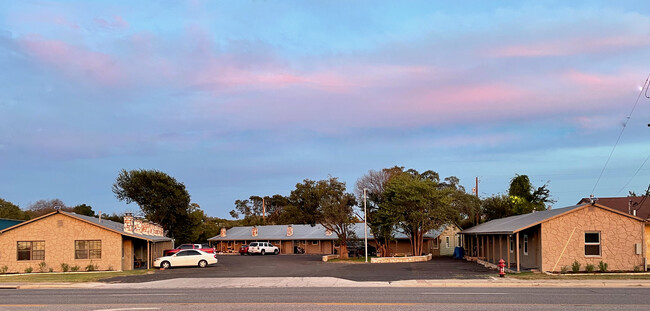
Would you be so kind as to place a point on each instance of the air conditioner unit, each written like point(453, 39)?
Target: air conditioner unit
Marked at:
point(638, 248)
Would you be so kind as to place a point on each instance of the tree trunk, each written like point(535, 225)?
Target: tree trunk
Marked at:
point(343, 251)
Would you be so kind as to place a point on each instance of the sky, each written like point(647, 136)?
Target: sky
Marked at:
point(241, 98)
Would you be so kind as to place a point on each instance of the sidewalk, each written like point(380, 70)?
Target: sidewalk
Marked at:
point(333, 282)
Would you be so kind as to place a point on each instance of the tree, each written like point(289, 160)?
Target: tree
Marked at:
point(9, 210)
point(42, 207)
point(83, 209)
point(380, 223)
point(522, 198)
point(161, 198)
point(419, 203)
point(325, 202)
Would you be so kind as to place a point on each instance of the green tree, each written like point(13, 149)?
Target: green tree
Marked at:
point(161, 198)
point(419, 203)
point(381, 224)
point(9, 210)
point(325, 202)
point(83, 209)
point(522, 198)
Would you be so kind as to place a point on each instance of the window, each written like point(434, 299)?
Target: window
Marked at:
point(525, 244)
point(91, 249)
point(459, 241)
point(447, 242)
point(31, 250)
point(592, 243)
point(512, 244)
point(314, 242)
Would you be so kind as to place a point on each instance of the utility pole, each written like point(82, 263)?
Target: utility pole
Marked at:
point(263, 211)
point(476, 192)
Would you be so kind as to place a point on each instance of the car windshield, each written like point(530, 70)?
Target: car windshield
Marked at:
point(186, 247)
point(253, 244)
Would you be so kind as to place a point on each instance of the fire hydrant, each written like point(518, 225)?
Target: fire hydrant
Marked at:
point(502, 268)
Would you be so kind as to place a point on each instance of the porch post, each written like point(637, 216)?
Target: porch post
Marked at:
point(508, 250)
point(500, 247)
point(148, 256)
point(494, 251)
point(517, 249)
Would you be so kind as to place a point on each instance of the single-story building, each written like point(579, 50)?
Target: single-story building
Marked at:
point(318, 240)
point(552, 239)
point(76, 240)
point(636, 206)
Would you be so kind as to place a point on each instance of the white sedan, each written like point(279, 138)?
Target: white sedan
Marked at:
point(187, 257)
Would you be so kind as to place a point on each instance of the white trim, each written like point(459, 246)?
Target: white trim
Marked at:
point(447, 241)
point(600, 251)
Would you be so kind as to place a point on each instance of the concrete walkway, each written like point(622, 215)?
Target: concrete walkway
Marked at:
point(274, 282)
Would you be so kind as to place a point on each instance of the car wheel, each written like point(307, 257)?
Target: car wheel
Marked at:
point(242, 254)
point(275, 252)
point(262, 252)
point(203, 263)
point(165, 265)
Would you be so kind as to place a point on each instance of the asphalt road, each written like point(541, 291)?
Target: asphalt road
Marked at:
point(329, 299)
point(232, 266)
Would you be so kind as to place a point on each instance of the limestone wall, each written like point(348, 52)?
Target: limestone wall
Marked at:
point(59, 233)
point(618, 236)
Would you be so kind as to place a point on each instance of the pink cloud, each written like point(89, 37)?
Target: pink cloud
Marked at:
point(74, 61)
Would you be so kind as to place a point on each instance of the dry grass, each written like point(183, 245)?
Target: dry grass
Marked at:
point(68, 277)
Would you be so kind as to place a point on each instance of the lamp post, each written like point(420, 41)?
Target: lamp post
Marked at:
point(365, 222)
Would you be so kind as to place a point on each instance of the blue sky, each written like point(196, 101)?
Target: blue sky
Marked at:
point(251, 97)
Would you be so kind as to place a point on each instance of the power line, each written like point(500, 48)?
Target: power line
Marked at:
point(645, 86)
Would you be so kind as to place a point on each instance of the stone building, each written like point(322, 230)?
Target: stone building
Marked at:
point(76, 240)
point(318, 240)
point(552, 239)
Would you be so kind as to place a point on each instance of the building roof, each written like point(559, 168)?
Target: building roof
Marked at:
point(625, 204)
point(6, 223)
point(513, 224)
point(300, 232)
point(104, 223)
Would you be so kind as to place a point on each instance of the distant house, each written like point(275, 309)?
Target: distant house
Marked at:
point(77, 240)
point(552, 239)
point(6, 223)
point(636, 206)
point(318, 240)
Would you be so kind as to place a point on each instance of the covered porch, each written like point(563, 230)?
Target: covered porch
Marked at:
point(520, 249)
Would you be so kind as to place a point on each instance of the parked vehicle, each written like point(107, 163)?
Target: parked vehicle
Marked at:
point(243, 250)
point(357, 249)
point(202, 247)
point(262, 248)
point(186, 258)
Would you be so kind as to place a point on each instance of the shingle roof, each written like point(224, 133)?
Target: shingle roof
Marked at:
point(625, 204)
point(116, 226)
point(512, 224)
point(300, 232)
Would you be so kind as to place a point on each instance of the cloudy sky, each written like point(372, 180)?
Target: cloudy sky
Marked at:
point(240, 98)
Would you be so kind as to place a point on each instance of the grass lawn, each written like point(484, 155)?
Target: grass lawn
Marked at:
point(70, 277)
point(568, 277)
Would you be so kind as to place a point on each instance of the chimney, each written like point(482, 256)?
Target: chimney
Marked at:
point(254, 231)
point(289, 230)
point(137, 226)
point(328, 232)
point(128, 222)
point(222, 233)
point(100, 217)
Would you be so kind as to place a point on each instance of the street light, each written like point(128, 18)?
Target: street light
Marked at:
point(365, 222)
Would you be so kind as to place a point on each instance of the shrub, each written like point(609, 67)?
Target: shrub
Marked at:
point(602, 266)
point(110, 268)
point(590, 268)
point(65, 267)
point(575, 266)
point(74, 268)
point(637, 269)
point(564, 269)
point(50, 270)
point(91, 267)
point(29, 270)
point(42, 266)
point(4, 269)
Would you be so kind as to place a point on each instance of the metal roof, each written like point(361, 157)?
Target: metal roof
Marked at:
point(116, 226)
point(300, 232)
point(512, 224)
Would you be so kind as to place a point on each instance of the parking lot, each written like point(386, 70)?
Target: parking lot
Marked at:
point(232, 266)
